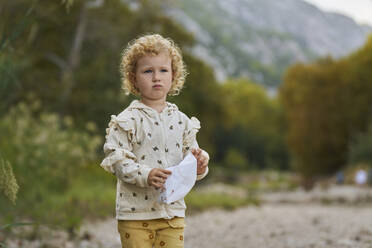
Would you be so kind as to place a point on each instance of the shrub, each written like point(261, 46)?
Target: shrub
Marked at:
point(361, 147)
point(47, 153)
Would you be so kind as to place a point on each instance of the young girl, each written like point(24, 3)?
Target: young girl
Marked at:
point(149, 136)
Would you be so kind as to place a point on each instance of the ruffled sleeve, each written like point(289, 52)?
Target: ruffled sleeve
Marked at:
point(190, 141)
point(119, 158)
point(189, 135)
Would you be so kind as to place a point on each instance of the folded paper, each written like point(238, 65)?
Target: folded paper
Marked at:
point(181, 181)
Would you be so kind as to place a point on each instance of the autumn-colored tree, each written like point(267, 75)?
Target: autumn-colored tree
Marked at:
point(326, 103)
point(359, 76)
point(313, 96)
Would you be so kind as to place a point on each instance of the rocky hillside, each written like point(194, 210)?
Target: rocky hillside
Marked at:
point(260, 38)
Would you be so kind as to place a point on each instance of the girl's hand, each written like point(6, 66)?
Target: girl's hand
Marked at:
point(157, 177)
point(201, 160)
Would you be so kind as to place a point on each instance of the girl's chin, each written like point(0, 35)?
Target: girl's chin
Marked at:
point(155, 97)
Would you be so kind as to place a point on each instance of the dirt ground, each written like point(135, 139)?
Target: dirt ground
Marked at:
point(282, 226)
point(338, 217)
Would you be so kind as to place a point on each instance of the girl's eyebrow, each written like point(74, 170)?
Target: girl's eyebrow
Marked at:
point(145, 67)
point(151, 66)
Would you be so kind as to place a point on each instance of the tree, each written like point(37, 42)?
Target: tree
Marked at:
point(359, 76)
point(313, 98)
point(326, 104)
point(70, 58)
point(361, 147)
point(251, 124)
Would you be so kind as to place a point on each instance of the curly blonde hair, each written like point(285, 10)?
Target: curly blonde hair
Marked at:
point(151, 45)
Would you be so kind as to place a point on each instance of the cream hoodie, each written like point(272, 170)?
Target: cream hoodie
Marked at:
point(138, 140)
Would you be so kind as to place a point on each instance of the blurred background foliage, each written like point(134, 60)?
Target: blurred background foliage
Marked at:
point(328, 111)
point(59, 84)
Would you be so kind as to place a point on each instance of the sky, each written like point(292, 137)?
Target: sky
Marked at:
point(359, 10)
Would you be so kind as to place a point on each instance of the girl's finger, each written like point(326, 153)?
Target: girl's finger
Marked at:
point(195, 151)
point(159, 180)
point(157, 185)
point(161, 188)
point(199, 151)
point(202, 160)
point(199, 163)
point(167, 172)
point(162, 175)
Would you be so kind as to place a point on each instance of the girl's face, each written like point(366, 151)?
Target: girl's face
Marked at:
point(153, 77)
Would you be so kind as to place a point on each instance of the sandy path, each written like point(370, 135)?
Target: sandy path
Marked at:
point(282, 226)
point(286, 220)
point(269, 226)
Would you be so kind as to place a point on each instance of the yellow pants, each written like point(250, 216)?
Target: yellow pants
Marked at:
point(158, 233)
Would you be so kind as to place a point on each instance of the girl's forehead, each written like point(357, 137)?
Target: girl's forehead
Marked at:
point(162, 58)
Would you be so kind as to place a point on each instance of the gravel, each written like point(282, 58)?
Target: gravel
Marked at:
point(282, 226)
point(285, 220)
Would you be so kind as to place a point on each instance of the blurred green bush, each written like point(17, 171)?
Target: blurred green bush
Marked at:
point(361, 147)
point(54, 164)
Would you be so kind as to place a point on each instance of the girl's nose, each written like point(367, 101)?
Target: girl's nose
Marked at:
point(155, 76)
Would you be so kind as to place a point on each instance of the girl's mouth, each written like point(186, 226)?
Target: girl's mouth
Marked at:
point(157, 86)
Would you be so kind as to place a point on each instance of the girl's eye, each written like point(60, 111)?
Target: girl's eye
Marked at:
point(164, 70)
point(148, 71)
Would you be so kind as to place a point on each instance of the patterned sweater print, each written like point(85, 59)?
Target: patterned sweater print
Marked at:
point(138, 140)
